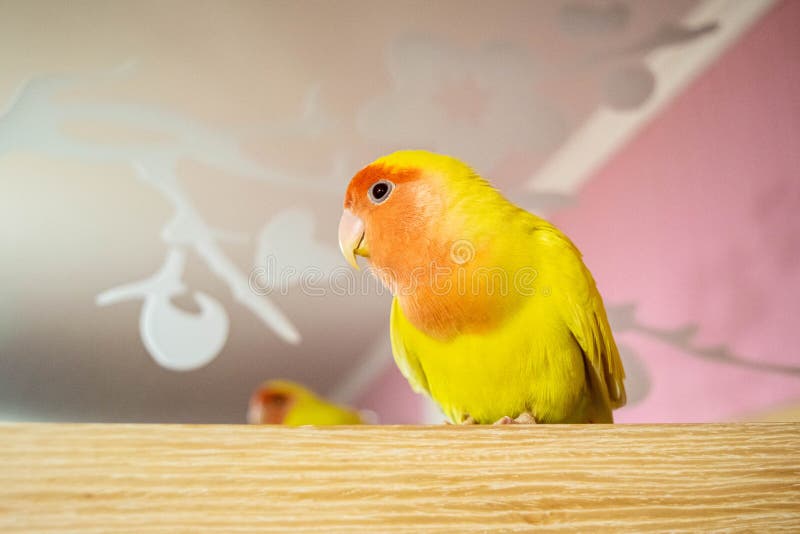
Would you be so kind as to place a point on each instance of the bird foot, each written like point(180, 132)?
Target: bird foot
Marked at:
point(522, 419)
point(465, 420)
point(525, 419)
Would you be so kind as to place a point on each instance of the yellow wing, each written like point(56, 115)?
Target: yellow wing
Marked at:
point(408, 363)
point(581, 308)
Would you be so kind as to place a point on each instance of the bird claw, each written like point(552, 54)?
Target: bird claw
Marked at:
point(522, 419)
point(525, 419)
point(466, 419)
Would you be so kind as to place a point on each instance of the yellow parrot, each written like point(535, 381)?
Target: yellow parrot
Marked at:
point(281, 402)
point(494, 314)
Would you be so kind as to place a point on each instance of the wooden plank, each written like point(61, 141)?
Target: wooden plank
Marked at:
point(164, 478)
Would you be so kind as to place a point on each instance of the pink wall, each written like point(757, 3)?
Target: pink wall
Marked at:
point(696, 225)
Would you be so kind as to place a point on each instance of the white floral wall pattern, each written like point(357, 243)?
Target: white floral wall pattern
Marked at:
point(176, 339)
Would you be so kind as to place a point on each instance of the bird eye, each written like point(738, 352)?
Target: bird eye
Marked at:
point(380, 191)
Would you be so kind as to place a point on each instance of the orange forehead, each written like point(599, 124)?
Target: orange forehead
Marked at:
point(268, 396)
point(370, 174)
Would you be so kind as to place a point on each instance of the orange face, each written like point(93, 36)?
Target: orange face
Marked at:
point(269, 406)
point(393, 217)
point(411, 223)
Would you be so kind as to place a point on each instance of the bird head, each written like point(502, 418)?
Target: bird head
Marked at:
point(427, 222)
point(400, 211)
point(272, 401)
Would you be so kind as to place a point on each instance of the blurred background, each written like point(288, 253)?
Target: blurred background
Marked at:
point(171, 172)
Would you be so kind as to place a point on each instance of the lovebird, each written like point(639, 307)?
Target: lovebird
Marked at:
point(281, 402)
point(494, 314)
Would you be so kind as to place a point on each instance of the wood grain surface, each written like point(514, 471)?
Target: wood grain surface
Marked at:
point(164, 478)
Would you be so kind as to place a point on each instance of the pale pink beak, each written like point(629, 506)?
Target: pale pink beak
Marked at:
point(351, 237)
point(255, 413)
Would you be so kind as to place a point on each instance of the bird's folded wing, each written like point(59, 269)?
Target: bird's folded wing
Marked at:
point(581, 308)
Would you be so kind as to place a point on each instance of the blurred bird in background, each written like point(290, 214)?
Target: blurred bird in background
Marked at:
point(281, 402)
point(495, 315)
